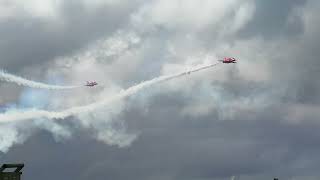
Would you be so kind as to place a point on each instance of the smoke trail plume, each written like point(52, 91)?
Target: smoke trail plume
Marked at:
point(25, 82)
point(16, 115)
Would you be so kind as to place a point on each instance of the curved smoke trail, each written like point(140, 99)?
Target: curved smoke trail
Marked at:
point(13, 116)
point(25, 82)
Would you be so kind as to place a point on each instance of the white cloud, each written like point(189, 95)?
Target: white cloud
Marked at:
point(34, 8)
point(191, 15)
point(242, 16)
point(100, 3)
point(45, 9)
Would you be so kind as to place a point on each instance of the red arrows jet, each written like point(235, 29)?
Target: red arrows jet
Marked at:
point(91, 84)
point(228, 60)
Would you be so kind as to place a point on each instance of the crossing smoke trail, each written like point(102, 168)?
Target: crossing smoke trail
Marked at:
point(16, 115)
point(25, 82)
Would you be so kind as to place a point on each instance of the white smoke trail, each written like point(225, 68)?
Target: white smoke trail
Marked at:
point(25, 82)
point(14, 116)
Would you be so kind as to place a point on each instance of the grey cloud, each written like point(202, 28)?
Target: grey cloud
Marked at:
point(271, 19)
point(260, 142)
point(173, 147)
point(32, 41)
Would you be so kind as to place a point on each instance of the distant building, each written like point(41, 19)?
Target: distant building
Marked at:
point(11, 175)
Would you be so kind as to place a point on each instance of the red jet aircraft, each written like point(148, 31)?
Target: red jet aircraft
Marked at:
point(228, 60)
point(91, 84)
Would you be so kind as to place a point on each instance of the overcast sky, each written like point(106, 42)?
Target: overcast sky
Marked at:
point(256, 119)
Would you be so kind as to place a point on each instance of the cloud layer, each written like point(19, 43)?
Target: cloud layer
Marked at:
point(255, 120)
